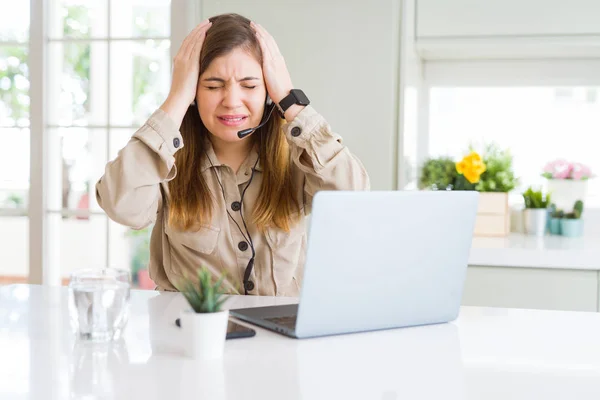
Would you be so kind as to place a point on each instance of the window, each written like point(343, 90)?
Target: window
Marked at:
point(107, 68)
point(538, 124)
point(14, 140)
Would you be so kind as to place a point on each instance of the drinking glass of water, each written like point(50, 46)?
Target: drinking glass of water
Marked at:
point(99, 303)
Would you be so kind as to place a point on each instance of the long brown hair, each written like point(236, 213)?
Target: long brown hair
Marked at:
point(191, 200)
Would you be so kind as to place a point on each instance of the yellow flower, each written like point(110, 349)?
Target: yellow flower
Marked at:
point(471, 166)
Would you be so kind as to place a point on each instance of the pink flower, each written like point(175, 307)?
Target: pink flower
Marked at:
point(580, 171)
point(562, 169)
point(557, 169)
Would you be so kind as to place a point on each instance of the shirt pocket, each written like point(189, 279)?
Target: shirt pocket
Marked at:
point(286, 248)
point(203, 240)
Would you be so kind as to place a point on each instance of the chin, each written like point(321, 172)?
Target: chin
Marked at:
point(228, 134)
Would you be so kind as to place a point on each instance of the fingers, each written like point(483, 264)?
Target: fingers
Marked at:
point(268, 40)
point(191, 39)
point(199, 41)
point(263, 46)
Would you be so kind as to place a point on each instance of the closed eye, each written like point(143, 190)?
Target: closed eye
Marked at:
point(213, 87)
point(249, 87)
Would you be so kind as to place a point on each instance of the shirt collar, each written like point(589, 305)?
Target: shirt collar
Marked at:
point(246, 165)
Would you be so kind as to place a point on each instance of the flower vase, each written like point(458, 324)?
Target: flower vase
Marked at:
point(565, 192)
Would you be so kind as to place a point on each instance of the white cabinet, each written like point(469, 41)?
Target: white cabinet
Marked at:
point(534, 288)
point(481, 18)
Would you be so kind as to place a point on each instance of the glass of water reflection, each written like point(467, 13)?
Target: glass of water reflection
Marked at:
point(99, 303)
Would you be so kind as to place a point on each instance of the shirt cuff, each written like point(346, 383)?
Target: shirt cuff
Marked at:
point(307, 124)
point(310, 133)
point(164, 133)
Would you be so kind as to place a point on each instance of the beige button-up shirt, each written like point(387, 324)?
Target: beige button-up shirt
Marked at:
point(134, 192)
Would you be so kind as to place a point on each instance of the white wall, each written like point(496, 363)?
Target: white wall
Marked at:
point(345, 56)
point(456, 18)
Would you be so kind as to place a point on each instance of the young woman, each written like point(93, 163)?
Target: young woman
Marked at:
point(229, 200)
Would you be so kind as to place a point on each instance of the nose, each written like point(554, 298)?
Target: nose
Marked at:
point(232, 98)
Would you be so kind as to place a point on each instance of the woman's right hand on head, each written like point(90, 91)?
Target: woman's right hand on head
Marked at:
point(186, 71)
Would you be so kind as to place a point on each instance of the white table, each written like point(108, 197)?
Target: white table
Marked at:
point(486, 354)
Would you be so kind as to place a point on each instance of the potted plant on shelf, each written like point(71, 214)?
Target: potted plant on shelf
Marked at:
point(491, 174)
point(567, 181)
point(438, 174)
point(572, 223)
point(556, 215)
point(204, 324)
point(536, 211)
point(494, 184)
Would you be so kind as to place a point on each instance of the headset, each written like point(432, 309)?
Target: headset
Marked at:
point(269, 107)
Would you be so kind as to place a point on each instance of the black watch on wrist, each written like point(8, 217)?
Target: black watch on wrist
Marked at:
point(296, 96)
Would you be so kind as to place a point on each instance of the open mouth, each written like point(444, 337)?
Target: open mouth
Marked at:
point(232, 120)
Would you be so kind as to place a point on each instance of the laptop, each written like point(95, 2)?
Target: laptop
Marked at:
point(378, 260)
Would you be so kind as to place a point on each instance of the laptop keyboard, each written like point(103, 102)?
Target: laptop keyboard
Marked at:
point(288, 321)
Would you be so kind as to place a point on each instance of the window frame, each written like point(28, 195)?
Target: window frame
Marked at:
point(44, 267)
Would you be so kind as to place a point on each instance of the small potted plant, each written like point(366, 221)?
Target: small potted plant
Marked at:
point(536, 212)
point(567, 181)
point(554, 224)
point(490, 173)
point(572, 224)
point(204, 324)
point(494, 184)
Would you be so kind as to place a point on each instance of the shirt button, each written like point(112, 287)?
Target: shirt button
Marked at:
point(249, 286)
point(243, 246)
point(236, 206)
point(176, 142)
point(296, 131)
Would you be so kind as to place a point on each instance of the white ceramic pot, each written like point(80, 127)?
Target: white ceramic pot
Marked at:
point(536, 220)
point(565, 192)
point(204, 334)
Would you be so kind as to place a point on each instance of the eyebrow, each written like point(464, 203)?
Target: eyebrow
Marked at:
point(215, 79)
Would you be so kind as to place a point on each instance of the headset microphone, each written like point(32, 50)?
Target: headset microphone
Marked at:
point(271, 106)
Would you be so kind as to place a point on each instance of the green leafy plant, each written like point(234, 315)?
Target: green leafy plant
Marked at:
point(203, 295)
point(438, 174)
point(577, 211)
point(499, 175)
point(441, 173)
point(536, 199)
point(15, 200)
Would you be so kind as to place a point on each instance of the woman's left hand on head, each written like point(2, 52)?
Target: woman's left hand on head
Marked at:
point(277, 77)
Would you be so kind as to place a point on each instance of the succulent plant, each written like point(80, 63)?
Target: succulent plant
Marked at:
point(556, 212)
point(536, 199)
point(203, 295)
point(577, 211)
